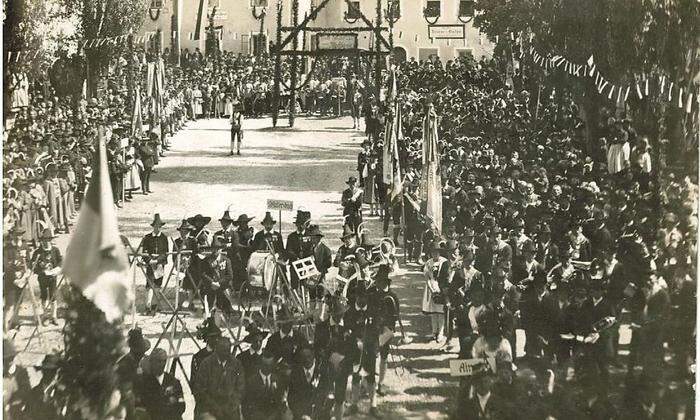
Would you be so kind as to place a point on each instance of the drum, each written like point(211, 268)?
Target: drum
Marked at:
point(262, 270)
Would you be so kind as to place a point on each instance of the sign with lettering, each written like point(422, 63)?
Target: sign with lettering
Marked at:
point(336, 41)
point(446, 31)
point(285, 205)
point(466, 367)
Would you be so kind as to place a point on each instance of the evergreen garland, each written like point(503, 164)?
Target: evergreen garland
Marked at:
point(86, 384)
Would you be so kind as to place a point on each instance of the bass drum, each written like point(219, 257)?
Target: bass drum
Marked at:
point(261, 270)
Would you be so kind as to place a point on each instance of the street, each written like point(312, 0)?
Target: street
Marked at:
point(308, 165)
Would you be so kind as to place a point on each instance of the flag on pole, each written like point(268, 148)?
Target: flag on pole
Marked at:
point(431, 183)
point(136, 116)
point(390, 154)
point(95, 260)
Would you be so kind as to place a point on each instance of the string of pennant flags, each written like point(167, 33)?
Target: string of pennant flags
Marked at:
point(115, 40)
point(17, 56)
point(646, 85)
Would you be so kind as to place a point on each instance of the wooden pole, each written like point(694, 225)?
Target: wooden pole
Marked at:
point(278, 67)
point(295, 66)
point(378, 50)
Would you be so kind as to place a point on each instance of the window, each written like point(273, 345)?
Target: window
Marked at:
point(259, 44)
point(466, 8)
point(156, 4)
point(258, 3)
point(427, 54)
point(465, 53)
point(353, 10)
point(432, 8)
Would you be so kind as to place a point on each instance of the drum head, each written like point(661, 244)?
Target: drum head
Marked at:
point(256, 269)
point(269, 271)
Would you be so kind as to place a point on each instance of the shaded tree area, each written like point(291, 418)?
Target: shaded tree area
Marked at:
point(101, 19)
point(630, 40)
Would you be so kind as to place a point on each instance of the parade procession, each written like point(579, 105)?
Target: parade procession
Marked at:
point(331, 209)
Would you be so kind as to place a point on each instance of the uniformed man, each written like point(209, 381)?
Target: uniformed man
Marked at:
point(387, 311)
point(229, 236)
point(236, 128)
point(219, 384)
point(333, 347)
point(323, 259)
point(217, 276)
point(352, 204)
point(299, 244)
point(268, 239)
point(154, 248)
point(245, 237)
point(47, 261)
point(185, 245)
point(363, 326)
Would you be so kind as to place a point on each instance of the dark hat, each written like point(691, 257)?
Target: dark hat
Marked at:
point(46, 235)
point(185, 225)
point(469, 232)
point(198, 221)
point(351, 180)
point(528, 246)
point(268, 219)
point(49, 362)
point(302, 217)
point(243, 218)
point(347, 232)
point(439, 246)
point(135, 340)
point(314, 230)
point(226, 217)
point(253, 333)
point(157, 221)
point(519, 223)
point(208, 329)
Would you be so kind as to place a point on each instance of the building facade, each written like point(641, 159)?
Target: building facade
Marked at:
point(422, 28)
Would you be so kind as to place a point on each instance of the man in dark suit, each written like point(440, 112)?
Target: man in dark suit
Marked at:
point(161, 392)
point(251, 357)
point(298, 244)
point(386, 305)
point(352, 204)
point(323, 259)
point(483, 404)
point(264, 391)
point(546, 251)
point(333, 347)
point(268, 238)
point(209, 332)
point(154, 246)
point(219, 384)
point(147, 154)
point(286, 342)
point(305, 391)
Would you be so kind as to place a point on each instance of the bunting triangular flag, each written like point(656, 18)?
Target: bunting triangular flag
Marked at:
point(619, 94)
point(646, 88)
point(639, 91)
point(663, 83)
point(680, 97)
point(670, 91)
point(591, 70)
point(590, 60)
point(612, 90)
point(627, 93)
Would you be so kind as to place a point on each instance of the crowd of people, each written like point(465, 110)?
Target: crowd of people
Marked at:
point(545, 231)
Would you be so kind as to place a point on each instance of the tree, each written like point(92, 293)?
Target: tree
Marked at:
point(628, 39)
point(102, 19)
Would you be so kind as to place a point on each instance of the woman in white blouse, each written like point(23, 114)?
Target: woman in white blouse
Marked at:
point(436, 272)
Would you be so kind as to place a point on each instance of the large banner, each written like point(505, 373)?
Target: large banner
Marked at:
point(431, 181)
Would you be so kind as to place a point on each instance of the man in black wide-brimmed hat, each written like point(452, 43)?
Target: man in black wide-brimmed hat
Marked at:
point(299, 244)
point(154, 247)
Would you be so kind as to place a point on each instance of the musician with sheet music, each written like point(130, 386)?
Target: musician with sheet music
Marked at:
point(155, 255)
point(299, 244)
point(268, 239)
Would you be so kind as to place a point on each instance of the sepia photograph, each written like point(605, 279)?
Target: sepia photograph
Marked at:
point(350, 209)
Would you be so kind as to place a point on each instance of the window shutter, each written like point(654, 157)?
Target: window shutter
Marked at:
point(245, 43)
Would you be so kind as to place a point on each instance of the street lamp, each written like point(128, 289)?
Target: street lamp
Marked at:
point(352, 15)
point(431, 12)
point(393, 11)
point(466, 11)
point(259, 9)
